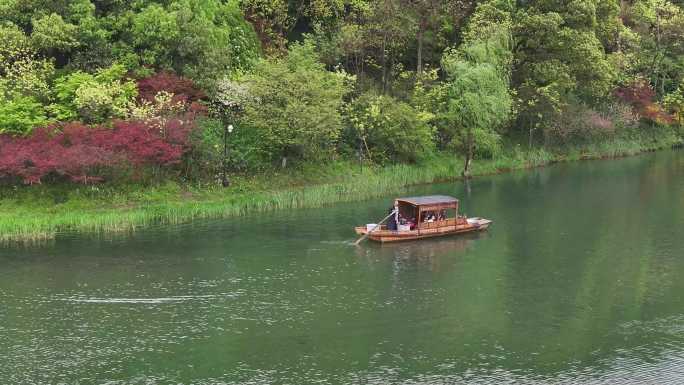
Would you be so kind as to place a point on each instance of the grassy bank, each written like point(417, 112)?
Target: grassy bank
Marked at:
point(36, 213)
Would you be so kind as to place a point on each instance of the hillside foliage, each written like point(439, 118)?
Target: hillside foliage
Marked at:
point(96, 91)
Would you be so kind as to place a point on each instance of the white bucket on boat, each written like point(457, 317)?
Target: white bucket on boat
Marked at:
point(404, 227)
point(371, 226)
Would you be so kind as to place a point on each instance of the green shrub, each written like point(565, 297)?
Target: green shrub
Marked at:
point(295, 106)
point(389, 130)
point(15, 46)
point(20, 114)
point(94, 98)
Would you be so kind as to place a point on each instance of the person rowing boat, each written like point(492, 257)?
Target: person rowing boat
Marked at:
point(417, 218)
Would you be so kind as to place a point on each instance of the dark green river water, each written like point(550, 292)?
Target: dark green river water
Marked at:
point(579, 281)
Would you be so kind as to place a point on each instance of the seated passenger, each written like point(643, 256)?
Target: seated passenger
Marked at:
point(429, 217)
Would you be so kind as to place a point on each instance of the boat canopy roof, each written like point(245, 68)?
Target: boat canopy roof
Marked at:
point(431, 200)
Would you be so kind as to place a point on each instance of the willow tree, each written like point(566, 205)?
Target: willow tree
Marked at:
point(479, 97)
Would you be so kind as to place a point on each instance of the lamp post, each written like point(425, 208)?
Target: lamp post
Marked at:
point(224, 178)
point(360, 152)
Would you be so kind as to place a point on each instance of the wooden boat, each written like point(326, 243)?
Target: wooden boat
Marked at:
point(432, 214)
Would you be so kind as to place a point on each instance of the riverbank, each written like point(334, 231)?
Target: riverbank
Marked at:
point(37, 213)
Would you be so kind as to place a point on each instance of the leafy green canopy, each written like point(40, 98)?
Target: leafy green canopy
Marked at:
point(388, 129)
point(471, 108)
point(71, 60)
point(199, 39)
point(479, 96)
point(295, 105)
point(654, 46)
point(560, 57)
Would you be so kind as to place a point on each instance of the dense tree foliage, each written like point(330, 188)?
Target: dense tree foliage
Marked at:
point(295, 106)
point(314, 80)
point(388, 129)
point(479, 100)
point(195, 38)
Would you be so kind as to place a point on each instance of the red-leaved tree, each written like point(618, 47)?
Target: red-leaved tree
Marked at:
point(158, 137)
point(82, 154)
point(641, 96)
point(183, 89)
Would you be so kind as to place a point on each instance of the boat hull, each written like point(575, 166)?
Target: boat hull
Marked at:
point(383, 235)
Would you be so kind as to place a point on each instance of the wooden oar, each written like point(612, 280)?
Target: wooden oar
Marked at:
point(373, 229)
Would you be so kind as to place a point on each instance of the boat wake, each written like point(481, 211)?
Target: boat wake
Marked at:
point(160, 300)
point(347, 242)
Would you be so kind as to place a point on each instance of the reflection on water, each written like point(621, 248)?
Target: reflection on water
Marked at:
point(431, 253)
point(577, 282)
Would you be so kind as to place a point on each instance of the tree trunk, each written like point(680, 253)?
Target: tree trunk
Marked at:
point(365, 143)
point(360, 61)
point(655, 66)
point(618, 40)
point(466, 168)
point(529, 137)
point(283, 163)
point(419, 55)
point(225, 182)
point(384, 64)
point(469, 156)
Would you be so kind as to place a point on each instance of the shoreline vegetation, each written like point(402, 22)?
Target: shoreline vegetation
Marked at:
point(38, 213)
point(116, 115)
